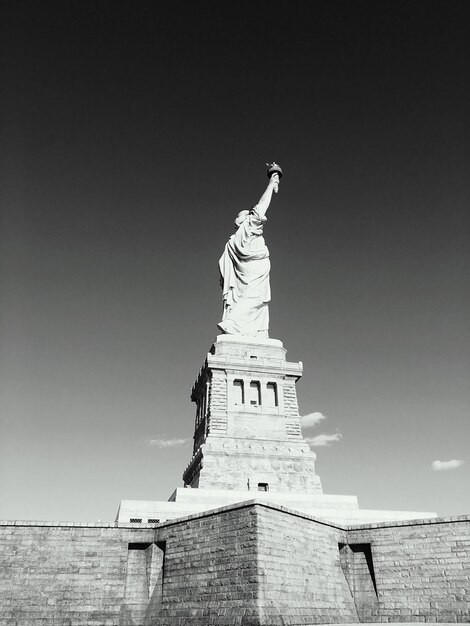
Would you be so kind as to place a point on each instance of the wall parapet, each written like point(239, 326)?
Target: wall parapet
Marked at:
point(246, 503)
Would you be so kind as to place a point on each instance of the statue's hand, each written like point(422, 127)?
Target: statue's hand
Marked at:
point(274, 180)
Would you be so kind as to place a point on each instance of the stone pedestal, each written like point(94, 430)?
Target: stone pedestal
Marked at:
point(248, 442)
point(247, 432)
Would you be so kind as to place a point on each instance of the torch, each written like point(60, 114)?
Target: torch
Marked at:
point(273, 169)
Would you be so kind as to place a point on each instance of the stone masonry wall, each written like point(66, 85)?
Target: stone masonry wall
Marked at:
point(300, 577)
point(250, 564)
point(64, 574)
point(291, 409)
point(421, 569)
point(199, 571)
point(291, 406)
point(211, 572)
point(218, 397)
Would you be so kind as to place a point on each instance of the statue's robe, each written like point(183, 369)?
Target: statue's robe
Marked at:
point(244, 277)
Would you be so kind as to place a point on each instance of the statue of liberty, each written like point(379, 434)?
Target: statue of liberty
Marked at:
point(244, 269)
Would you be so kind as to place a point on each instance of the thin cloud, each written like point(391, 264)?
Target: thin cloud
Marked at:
point(439, 466)
point(167, 443)
point(312, 419)
point(325, 439)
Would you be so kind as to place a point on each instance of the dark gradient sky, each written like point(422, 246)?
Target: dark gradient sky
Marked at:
point(131, 135)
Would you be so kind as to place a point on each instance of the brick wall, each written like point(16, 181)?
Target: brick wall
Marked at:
point(291, 406)
point(246, 565)
point(300, 577)
point(64, 574)
point(202, 570)
point(210, 572)
point(421, 569)
point(218, 392)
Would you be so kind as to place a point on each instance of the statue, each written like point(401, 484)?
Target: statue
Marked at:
point(244, 269)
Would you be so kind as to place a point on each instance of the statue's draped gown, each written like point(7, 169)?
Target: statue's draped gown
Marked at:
point(244, 270)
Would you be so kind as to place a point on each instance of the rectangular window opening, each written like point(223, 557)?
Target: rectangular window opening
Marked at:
point(271, 395)
point(238, 392)
point(263, 487)
point(138, 546)
point(255, 393)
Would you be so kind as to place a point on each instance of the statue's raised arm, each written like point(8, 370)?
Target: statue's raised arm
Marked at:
point(244, 269)
point(265, 200)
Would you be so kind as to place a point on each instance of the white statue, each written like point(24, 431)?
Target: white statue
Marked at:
point(244, 269)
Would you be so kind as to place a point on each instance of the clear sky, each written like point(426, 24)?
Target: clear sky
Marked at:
point(132, 134)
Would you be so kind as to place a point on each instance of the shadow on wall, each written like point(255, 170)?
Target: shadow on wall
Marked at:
point(358, 567)
point(144, 583)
